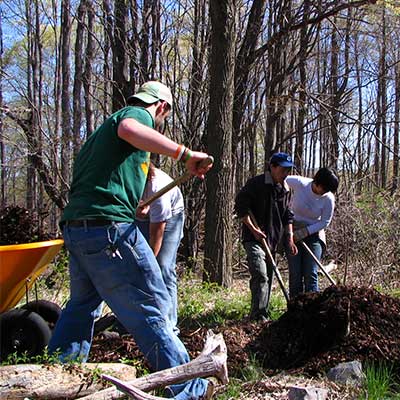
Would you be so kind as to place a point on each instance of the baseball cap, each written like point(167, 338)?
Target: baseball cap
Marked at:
point(282, 159)
point(153, 91)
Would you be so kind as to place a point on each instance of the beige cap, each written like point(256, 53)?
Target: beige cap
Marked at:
point(153, 91)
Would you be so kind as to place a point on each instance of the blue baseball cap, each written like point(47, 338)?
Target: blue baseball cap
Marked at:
point(282, 159)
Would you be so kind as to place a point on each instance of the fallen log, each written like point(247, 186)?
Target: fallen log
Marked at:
point(210, 362)
point(57, 381)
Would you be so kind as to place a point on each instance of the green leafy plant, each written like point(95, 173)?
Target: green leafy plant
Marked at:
point(24, 358)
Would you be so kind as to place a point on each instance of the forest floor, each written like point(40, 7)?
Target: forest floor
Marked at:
point(317, 332)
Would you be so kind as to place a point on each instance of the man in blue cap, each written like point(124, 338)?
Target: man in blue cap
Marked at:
point(267, 198)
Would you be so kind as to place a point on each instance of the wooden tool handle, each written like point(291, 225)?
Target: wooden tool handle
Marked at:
point(271, 259)
point(183, 178)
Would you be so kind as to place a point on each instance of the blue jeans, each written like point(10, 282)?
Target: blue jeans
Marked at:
point(261, 274)
point(303, 270)
point(130, 282)
point(166, 258)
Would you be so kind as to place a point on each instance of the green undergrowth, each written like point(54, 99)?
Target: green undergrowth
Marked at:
point(207, 304)
point(381, 382)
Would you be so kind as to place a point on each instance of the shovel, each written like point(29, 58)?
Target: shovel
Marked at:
point(183, 178)
point(309, 251)
point(271, 259)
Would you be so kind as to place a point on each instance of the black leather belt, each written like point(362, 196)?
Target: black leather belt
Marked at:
point(77, 223)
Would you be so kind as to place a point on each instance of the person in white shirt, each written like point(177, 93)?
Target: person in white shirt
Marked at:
point(163, 229)
point(313, 204)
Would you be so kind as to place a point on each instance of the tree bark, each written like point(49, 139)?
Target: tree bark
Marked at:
point(87, 73)
point(78, 78)
point(119, 43)
point(2, 143)
point(219, 181)
point(396, 141)
point(65, 97)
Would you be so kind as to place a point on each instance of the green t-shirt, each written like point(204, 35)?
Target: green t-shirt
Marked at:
point(109, 173)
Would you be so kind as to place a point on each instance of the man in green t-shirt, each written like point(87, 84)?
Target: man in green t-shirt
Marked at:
point(109, 258)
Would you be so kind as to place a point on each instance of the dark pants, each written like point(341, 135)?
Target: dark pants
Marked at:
point(261, 279)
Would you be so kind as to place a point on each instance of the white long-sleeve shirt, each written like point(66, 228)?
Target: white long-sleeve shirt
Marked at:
point(313, 210)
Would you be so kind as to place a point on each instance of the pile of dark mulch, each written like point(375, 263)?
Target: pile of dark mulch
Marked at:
point(317, 332)
point(113, 346)
point(320, 330)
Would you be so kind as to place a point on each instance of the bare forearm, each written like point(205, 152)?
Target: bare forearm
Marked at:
point(145, 138)
point(148, 139)
point(156, 236)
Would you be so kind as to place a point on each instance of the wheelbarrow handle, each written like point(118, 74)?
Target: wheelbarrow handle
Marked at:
point(317, 261)
point(271, 259)
point(183, 178)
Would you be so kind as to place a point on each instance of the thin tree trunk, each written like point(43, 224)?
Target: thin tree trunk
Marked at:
point(383, 77)
point(30, 174)
point(2, 144)
point(108, 39)
point(65, 97)
point(120, 73)
point(78, 78)
point(155, 40)
point(360, 142)
point(396, 141)
point(302, 92)
point(144, 41)
point(87, 73)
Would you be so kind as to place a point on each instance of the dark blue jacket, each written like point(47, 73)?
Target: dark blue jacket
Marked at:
point(269, 203)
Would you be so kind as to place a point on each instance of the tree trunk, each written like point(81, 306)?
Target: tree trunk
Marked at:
point(299, 160)
point(108, 39)
point(65, 97)
point(144, 41)
point(119, 43)
point(396, 141)
point(87, 73)
point(2, 144)
point(383, 78)
point(78, 78)
point(219, 206)
point(30, 173)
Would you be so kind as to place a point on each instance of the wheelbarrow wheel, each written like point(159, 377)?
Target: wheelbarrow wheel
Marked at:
point(23, 331)
point(48, 310)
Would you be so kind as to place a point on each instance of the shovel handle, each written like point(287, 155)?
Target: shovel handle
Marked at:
point(183, 178)
point(309, 251)
point(271, 259)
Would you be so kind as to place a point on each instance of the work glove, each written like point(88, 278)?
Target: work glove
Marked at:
point(300, 234)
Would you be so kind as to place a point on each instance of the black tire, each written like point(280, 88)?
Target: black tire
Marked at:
point(22, 331)
point(104, 323)
point(49, 311)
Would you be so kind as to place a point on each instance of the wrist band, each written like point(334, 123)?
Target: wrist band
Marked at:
point(179, 152)
point(187, 156)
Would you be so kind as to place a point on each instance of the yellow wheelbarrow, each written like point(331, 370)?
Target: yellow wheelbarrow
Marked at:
point(26, 329)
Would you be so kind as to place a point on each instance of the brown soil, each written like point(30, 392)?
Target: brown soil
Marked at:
point(317, 332)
